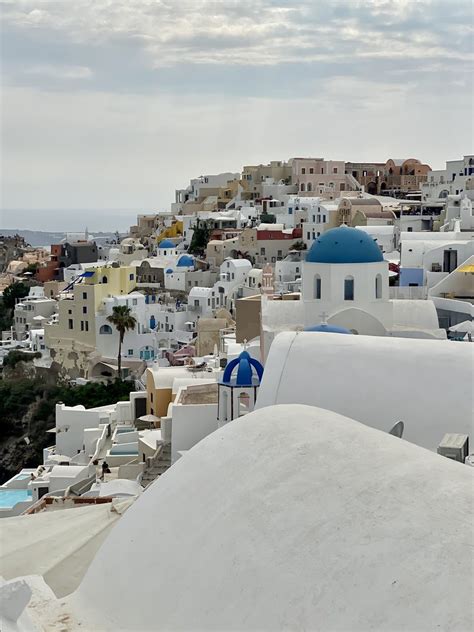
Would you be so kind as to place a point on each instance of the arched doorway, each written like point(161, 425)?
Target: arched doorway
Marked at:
point(372, 188)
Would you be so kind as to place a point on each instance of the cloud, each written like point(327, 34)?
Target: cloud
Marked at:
point(257, 32)
point(60, 72)
point(114, 103)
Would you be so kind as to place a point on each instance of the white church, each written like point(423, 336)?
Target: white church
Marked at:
point(346, 285)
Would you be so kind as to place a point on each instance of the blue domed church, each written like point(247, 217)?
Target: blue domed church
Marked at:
point(345, 280)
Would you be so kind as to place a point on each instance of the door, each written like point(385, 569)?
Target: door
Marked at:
point(450, 260)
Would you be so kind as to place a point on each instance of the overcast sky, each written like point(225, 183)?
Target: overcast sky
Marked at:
point(115, 103)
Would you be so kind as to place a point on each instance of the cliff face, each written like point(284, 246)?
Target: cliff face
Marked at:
point(28, 401)
point(23, 429)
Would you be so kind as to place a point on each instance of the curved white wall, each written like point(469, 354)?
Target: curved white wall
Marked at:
point(428, 384)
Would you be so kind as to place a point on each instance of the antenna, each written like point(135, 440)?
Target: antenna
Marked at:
point(397, 430)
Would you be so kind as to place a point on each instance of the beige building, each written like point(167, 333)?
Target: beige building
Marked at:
point(248, 318)
point(254, 177)
point(207, 193)
point(72, 339)
point(393, 175)
point(326, 178)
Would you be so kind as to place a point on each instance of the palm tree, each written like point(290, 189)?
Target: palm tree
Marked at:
point(122, 320)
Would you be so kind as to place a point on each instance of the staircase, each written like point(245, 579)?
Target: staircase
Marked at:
point(158, 465)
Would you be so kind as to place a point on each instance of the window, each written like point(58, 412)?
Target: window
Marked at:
point(303, 171)
point(84, 309)
point(302, 187)
point(334, 170)
point(82, 325)
point(84, 295)
point(311, 170)
point(70, 324)
point(322, 169)
point(69, 311)
point(196, 302)
point(135, 301)
point(130, 352)
point(349, 288)
point(262, 251)
point(104, 279)
point(105, 329)
point(410, 230)
point(297, 270)
point(309, 186)
point(317, 287)
point(243, 404)
point(131, 277)
point(378, 286)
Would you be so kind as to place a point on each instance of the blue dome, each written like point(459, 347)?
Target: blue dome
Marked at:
point(185, 261)
point(169, 271)
point(244, 364)
point(344, 245)
point(166, 243)
point(332, 329)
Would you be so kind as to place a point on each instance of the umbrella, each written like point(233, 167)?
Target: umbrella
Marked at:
point(466, 327)
point(58, 458)
point(150, 418)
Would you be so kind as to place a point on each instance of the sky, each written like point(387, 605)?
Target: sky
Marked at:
point(113, 104)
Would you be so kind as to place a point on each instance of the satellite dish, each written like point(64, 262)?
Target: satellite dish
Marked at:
point(397, 430)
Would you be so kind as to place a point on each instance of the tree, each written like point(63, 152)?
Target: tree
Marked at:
point(13, 292)
point(299, 245)
point(122, 320)
point(201, 236)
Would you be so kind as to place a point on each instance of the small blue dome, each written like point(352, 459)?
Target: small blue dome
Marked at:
point(244, 364)
point(169, 271)
point(332, 329)
point(185, 261)
point(344, 245)
point(166, 243)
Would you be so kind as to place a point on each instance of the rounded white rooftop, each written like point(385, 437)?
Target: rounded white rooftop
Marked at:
point(292, 517)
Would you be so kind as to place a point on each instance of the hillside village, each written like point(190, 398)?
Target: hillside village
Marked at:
point(257, 296)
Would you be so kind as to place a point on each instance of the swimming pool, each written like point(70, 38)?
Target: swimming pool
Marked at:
point(126, 429)
point(10, 497)
point(23, 475)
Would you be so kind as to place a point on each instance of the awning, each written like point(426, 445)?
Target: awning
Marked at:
point(466, 327)
point(469, 267)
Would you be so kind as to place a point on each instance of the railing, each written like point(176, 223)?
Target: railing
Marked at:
point(409, 292)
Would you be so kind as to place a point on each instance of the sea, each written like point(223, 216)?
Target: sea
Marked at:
point(70, 220)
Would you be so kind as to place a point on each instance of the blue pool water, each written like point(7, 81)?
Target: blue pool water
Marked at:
point(123, 451)
point(21, 477)
point(10, 497)
point(122, 430)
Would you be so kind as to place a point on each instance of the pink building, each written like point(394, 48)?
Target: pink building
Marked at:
point(319, 177)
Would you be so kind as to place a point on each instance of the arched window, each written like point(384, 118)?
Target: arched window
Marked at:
point(349, 288)
point(317, 286)
point(302, 186)
point(105, 329)
point(104, 279)
point(378, 286)
point(309, 186)
point(244, 404)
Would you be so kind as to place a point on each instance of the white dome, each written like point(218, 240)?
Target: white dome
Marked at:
point(291, 517)
point(395, 375)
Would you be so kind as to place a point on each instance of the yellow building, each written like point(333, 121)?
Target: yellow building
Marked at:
point(72, 339)
point(171, 232)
